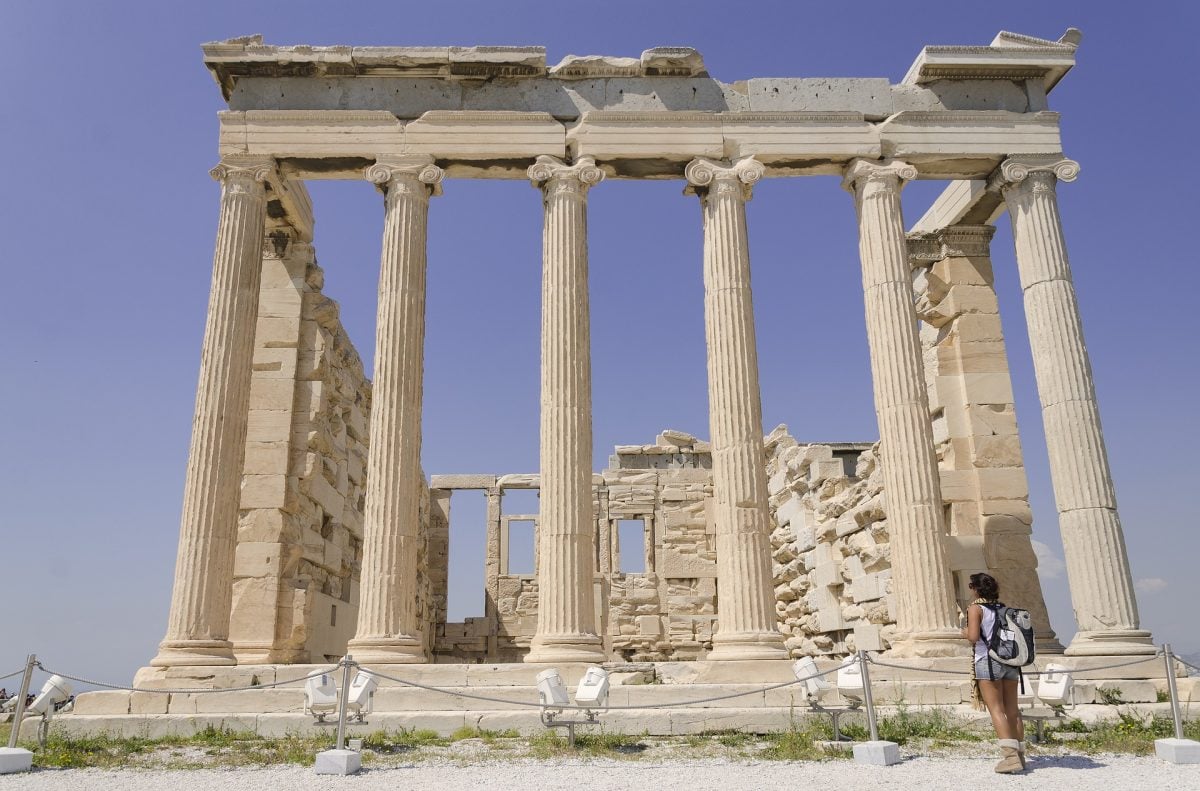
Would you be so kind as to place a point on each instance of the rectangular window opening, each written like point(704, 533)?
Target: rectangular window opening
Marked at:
point(521, 534)
point(631, 543)
point(465, 566)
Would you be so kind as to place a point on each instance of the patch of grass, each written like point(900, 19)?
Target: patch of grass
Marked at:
point(729, 738)
point(491, 737)
point(408, 739)
point(298, 750)
point(547, 745)
point(609, 744)
point(792, 745)
point(465, 732)
point(1162, 696)
point(1129, 733)
point(66, 752)
point(1109, 696)
point(934, 724)
point(1073, 725)
point(224, 747)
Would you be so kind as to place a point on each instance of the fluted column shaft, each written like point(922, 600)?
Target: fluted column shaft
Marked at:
point(745, 588)
point(198, 624)
point(1093, 542)
point(566, 630)
point(388, 629)
point(926, 615)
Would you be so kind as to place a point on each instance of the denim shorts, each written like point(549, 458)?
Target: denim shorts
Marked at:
point(997, 670)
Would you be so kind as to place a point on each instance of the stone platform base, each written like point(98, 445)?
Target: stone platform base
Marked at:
point(14, 760)
point(680, 686)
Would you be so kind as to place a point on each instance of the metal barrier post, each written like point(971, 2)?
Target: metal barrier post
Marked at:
point(1173, 688)
point(1178, 750)
point(868, 700)
point(342, 700)
point(19, 713)
point(340, 761)
point(874, 752)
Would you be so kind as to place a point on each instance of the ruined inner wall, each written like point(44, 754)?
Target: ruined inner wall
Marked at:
point(830, 546)
point(300, 533)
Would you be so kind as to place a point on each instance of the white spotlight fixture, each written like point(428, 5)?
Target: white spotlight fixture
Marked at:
point(320, 696)
point(552, 693)
point(56, 690)
point(850, 680)
point(806, 671)
point(1055, 686)
point(591, 696)
point(362, 694)
point(593, 689)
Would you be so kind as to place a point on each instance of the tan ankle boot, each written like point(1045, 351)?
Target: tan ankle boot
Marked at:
point(1010, 763)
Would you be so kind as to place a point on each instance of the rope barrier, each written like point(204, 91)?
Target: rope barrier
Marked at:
point(1183, 662)
point(183, 690)
point(1143, 659)
point(489, 699)
point(456, 693)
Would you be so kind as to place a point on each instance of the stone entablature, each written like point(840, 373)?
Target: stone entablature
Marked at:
point(485, 112)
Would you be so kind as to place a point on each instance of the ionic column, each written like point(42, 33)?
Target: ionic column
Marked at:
point(746, 621)
point(926, 615)
point(388, 629)
point(566, 630)
point(1093, 543)
point(198, 624)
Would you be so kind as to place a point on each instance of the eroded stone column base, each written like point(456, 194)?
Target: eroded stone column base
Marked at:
point(941, 643)
point(194, 653)
point(1115, 642)
point(552, 648)
point(747, 645)
point(403, 650)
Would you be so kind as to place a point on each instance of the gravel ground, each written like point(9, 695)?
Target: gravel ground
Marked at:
point(1056, 773)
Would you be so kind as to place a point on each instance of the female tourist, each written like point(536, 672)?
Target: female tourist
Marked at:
point(995, 683)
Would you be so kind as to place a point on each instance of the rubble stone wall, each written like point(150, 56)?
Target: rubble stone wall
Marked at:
point(831, 548)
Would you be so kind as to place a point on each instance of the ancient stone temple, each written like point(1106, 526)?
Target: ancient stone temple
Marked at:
point(310, 530)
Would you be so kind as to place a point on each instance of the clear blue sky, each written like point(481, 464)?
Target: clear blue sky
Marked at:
point(107, 218)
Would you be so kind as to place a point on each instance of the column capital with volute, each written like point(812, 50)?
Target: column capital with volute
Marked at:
point(407, 173)
point(885, 172)
point(241, 172)
point(739, 177)
point(1016, 171)
point(549, 172)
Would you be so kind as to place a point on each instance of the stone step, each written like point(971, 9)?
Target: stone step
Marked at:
point(653, 722)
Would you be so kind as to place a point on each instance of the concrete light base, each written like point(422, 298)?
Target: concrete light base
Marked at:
point(338, 762)
point(15, 759)
point(1178, 751)
point(877, 753)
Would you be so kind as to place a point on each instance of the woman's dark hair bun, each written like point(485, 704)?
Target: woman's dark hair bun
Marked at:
point(985, 586)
